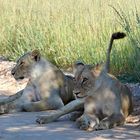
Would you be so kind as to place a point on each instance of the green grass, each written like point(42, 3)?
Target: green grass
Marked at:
point(65, 31)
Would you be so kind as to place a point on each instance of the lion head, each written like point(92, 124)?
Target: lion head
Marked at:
point(24, 65)
point(85, 76)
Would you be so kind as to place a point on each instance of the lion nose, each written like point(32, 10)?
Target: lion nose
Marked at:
point(76, 92)
point(12, 72)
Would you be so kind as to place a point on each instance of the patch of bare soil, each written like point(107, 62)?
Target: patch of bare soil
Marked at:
point(8, 85)
point(135, 116)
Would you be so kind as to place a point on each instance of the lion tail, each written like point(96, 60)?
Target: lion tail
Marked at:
point(11, 98)
point(117, 35)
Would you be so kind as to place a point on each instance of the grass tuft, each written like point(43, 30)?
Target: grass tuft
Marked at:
point(66, 31)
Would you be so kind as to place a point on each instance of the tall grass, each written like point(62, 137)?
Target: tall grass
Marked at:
point(65, 31)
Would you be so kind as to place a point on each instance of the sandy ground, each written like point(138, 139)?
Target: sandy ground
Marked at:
point(22, 125)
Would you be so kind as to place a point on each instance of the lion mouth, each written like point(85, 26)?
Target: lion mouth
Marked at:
point(20, 78)
point(79, 95)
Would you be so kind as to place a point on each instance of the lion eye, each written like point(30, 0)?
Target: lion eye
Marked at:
point(21, 63)
point(74, 80)
point(85, 79)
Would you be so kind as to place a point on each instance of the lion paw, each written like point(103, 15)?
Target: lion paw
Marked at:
point(104, 125)
point(41, 120)
point(85, 122)
point(4, 109)
point(46, 119)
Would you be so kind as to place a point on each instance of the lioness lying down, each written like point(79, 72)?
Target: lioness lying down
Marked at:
point(48, 88)
point(106, 101)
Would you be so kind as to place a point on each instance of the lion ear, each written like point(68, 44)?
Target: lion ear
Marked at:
point(96, 69)
point(98, 66)
point(35, 54)
point(78, 63)
point(78, 66)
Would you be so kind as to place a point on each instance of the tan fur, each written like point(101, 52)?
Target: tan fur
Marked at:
point(107, 102)
point(48, 88)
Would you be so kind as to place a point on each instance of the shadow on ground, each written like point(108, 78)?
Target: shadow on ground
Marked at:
point(22, 126)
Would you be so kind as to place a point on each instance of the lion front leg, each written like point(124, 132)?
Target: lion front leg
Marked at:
point(75, 115)
point(70, 107)
point(111, 121)
point(48, 118)
point(88, 122)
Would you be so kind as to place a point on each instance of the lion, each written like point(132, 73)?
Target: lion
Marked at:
point(107, 102)
point(47, 89)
